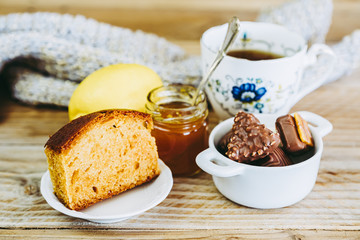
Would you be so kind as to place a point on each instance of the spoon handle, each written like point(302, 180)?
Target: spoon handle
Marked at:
point(232, 31)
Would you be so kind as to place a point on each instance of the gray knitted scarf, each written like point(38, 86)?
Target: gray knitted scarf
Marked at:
point(44, 56)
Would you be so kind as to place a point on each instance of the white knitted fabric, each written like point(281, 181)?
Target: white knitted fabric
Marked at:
point(45, 55)
point(312, 20)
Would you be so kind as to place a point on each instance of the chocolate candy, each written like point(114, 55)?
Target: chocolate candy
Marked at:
point(275, 159)
point(303, 130)
point(222, 145)
point(291, 142)
point(250, 140)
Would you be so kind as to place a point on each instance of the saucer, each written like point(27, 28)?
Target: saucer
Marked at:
point(120, 207)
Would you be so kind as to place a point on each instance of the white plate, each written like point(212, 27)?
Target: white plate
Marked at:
point(120, 207)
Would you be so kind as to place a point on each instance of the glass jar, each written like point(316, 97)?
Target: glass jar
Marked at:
point(180, 128)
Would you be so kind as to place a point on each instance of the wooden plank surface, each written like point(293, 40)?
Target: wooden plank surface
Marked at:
point(194, 208)
point(331, 210)
point(181, 234)
point(178, 20)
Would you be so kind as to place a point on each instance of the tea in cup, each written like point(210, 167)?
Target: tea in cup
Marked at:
point(262, 72)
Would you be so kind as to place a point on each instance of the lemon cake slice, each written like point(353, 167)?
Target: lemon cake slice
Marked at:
point(102, 154)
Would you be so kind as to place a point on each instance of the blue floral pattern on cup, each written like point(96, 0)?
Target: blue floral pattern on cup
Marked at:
point(251, 94)
point(247, 92)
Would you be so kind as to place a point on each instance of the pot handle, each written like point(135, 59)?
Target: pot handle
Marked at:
point(213, 165)
point(322, 125)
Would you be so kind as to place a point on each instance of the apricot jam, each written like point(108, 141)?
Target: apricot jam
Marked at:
point(180, 127)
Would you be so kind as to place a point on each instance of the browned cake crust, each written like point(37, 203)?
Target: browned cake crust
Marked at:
point(64, 137)
point(100, 155)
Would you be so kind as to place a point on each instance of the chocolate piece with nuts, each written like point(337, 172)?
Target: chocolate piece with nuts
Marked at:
point(222, 145)
point(250, 140)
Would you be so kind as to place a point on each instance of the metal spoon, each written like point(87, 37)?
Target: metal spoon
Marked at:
point(233, 30)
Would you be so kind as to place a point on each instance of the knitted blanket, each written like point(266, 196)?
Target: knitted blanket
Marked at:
point(44, 56)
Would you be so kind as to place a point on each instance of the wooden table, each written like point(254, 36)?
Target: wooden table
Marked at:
point(194, 208)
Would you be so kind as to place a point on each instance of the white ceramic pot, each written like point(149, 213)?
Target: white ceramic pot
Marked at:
point(264, 187)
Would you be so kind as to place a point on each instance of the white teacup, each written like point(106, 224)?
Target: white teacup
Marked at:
point(264, 86)
point(264, 187)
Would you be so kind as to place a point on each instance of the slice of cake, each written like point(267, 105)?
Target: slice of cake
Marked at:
point(100, 155)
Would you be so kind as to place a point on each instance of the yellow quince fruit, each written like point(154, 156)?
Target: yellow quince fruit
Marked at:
point(122, 86)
